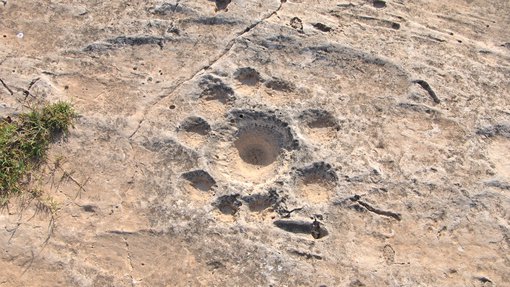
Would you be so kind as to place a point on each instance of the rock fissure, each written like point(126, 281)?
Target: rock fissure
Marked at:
point(6, 87)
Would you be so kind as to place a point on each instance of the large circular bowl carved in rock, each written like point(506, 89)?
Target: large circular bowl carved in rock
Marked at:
point(254, 147)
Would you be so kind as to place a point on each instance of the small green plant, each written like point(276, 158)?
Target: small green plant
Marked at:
point(48, 204)
point(25, 140)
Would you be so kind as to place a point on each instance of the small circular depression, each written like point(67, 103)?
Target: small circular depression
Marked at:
point(260, 202)
point(228, 204)
point(317, 118)
point(379, 3)
point(200, 180)
point(248, 76)
point(318, 172)
point(317, 182)
point(195, 125)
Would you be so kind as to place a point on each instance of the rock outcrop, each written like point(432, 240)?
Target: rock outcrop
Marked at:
point(263, 143)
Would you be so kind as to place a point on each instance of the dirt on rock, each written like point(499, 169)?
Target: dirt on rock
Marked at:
point(263, 143)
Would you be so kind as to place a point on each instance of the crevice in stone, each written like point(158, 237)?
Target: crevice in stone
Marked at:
point(131, 268)
point(429, 90)
point(307, 255)
point(372, 209)
point(301, 227)
point(6, 87)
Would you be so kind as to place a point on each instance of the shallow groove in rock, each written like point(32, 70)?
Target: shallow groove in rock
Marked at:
point(372, 209)
point(305, 254)
point(6, 87)
point(302, 227)
point(429, 90)
point(322, 27)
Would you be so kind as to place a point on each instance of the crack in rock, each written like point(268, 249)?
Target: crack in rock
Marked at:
point(6, 87)
point(429, 90)
point(372, 209)
point(131, 268)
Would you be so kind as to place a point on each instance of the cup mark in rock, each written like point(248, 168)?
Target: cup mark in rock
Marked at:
point(297, 24)
point(317, 182)
point(316, 118)
point(221, 5)
point(196, 125)
point(228, 204)
point(248, 76)
point(215, 89)
point(89, 208)
point(260, 202)
point(379, 3)
point(280, 85)
point(484, 280)
point(254, 146)
point(389, 254)
point(257, 146)
point(200, 179)
point(261, 137)
point(318, 171)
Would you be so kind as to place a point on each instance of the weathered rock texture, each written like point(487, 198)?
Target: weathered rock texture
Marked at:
point(263, 143)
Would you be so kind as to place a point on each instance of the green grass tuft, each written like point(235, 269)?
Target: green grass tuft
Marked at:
point(25, 140)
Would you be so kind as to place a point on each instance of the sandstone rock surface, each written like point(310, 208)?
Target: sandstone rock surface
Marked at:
point(263, 143)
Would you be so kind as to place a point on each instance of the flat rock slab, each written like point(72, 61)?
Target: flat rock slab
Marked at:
point(262, 143)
